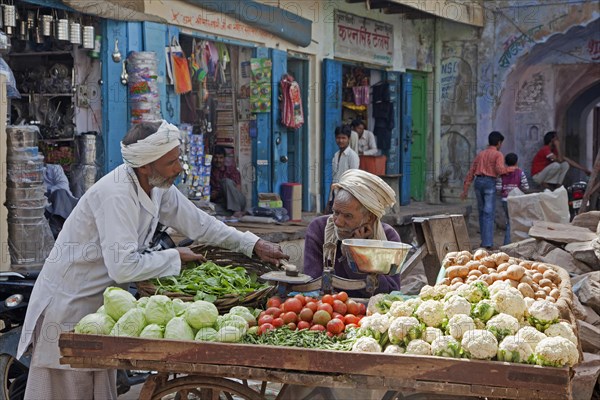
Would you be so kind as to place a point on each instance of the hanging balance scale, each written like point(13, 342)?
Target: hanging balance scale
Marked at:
point(364, 256)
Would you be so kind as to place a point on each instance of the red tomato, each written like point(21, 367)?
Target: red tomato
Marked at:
point(340, 307)
point(274, 301)
point(352, 307)
point(317, 327)
point(313, 306)
point(289, 317)
point(277, 322)
point(327, 307)
point(266, 319)
point(292, 326)
point(362, 309)
point(342, 296)
point(349, 326)
point(301, 298)
point(350, 319)
point(310, 300)
point(274, 311)
point(292, 304)
point(265, 327)
point(337, 315)
point(327, 299)
point(306, 314)
point(321, 317)
point(329, 334)
point(303, 325)
point(262, 313)
point(335, 326)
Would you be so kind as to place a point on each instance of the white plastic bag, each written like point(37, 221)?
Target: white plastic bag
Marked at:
point(524, 209)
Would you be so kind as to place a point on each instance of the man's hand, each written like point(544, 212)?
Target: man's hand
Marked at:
point(463, 195)
point(186, 255)
point(269, 252)
point(363, 232)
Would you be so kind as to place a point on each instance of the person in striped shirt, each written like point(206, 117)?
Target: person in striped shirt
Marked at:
point(487, 166)
point(508, 182)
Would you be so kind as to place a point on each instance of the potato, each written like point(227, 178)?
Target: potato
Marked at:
point(475, 272)
point(526, 290)
point(526, 264)
point(540, 294)
point(537, 277)
point(471, 278)
point(483, 269)
point(472, 265)
point(501, 257)
point(555, 293)
point(459, 271)
point(479, 254)
point(456, 280)
point(486, 278)
point(526, 279)
point(549, 274)
point(495, 276)
point(465, 253)
point(503, 267)
point(550, 299)
point(445, 281)
point(463, 259)
point(535, 287)
point(515, 272)
point(514, 284)
point(545, 282)
point(513, 260)
point(488, 262)
point(541, 267)
point(503, 275)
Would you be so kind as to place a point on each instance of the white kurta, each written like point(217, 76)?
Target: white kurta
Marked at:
point(102, 244)
point(367, 144)
point(340, 164)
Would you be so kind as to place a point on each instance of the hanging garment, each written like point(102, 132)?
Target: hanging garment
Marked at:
point(361, 95)
point(292, 114)
point(381, 92)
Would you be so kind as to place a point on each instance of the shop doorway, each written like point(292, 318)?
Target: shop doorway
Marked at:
point(418, 136)
point(298, 168)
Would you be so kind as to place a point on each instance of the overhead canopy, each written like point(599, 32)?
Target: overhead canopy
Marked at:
point(464, 12)
point(120, 10)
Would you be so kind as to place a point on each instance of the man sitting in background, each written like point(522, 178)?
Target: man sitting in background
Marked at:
point(226, 185)
point(363, 141)
point(61, 200)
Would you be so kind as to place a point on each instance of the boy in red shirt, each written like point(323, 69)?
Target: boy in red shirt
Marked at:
point(508, 182)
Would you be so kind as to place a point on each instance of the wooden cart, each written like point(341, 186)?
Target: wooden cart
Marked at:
point(221, 370)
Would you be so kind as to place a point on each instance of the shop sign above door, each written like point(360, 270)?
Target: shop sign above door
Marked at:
point(363, 39)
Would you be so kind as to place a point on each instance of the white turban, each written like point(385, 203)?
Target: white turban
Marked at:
point(372, 192)
point(150, 149)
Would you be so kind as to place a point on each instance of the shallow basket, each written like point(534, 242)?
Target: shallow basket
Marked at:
point(222, 258)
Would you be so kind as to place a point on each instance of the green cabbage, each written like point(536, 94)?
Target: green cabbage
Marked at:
point(201, 314)
point(206, 334)
point(95, 324)
point(231, 320)
point(244, 313)
point(130, 324)
point(117, 302)
point(178, 328)
point(179, 306)
point(159, 310)
point(142, 301)
point(101, 310)
point(153, 331)
point(229, 334)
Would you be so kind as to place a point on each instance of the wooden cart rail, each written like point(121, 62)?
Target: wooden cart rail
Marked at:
point(319, 367)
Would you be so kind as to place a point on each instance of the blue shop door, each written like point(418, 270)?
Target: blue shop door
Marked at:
point(261, 145)
point(332, 118)
point(406, 138)
point(279, 137)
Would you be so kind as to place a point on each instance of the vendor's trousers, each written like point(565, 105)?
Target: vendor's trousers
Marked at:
point(235, 200)
point(485, 192)
point(69, 384)
point(554, 173)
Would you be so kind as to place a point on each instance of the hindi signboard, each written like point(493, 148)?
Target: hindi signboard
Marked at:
point(363, 39)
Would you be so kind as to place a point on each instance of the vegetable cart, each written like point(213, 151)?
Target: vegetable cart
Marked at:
point(221, 370)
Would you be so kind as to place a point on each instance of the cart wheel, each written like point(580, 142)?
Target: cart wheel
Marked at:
point(12, 376)
point(204, 388)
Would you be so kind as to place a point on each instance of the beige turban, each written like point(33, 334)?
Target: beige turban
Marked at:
point(150, 149)
point(372, 192)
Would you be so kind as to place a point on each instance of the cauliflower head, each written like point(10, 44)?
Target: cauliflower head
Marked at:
point(510, 301)
point(562, 329)
point(530, 335)
point(458, 325)
point(456, 304)
point(484, 310)
point(404, 329)
point(431, 334)
point(366, 344)
point(394, 349)
point(476, 291)
point(431, 312)
point(498, 286)
point(515, 349)
point(419, 346)
point(427, 293)
point(479, 344)
point(374, 325)
point(502, 325)
point(446, 346)
point(542, 314)
point(556, 352)
point(404, 308)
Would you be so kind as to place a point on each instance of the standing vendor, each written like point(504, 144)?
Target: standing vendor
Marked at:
point(104, 243)
point(361, 199)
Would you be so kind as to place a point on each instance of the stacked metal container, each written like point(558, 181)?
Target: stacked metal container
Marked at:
point(29, 236)
point(85, 172)
point(142, 78)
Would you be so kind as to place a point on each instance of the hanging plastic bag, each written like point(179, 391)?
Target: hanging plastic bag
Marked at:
point(292, 114)
point(180, 68)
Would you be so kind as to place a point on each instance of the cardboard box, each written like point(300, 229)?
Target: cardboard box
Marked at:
point(269, 200)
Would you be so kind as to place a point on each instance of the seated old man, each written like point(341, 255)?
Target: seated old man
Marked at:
point(225, 185)
point(361, 199)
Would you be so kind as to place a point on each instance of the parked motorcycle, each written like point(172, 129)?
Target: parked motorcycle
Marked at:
point(575, 194)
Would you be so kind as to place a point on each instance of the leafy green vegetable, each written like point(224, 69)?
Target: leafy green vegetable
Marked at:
point(207, 334)
point(177, 328)
point(201, 314)
point(384, 304)
point(153, 331)
point(208, 281)
point(117, 302)
point(159, 310)
point(95, 324)
point(130, 324)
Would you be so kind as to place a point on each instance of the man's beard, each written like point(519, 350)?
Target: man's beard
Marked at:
point(342, 234)
point(159, 181)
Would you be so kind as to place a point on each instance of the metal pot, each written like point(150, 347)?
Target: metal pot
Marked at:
point(23, 30)
point(37, 35)
point(46, 22)
point(10, 16)
point(75, 33)
point(88, 37)
point(62, 29)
